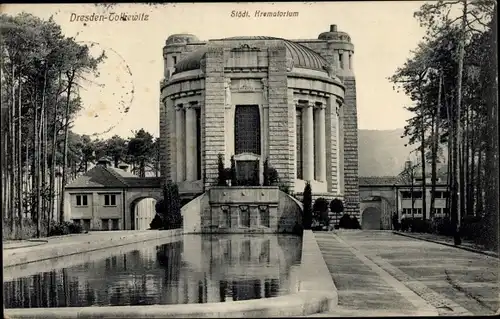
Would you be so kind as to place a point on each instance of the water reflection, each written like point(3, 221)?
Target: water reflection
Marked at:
point(198, 269)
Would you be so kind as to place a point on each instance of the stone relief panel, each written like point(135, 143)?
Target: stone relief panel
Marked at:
point(247, 85)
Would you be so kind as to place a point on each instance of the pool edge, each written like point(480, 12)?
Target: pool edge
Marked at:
point(317, 294)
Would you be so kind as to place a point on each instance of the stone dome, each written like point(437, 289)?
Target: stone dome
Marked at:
point(302, 56)
point(182, 38)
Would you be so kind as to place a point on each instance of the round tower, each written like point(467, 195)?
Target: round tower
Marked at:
point(340, 52)
point(174, 46)
point(341, 49)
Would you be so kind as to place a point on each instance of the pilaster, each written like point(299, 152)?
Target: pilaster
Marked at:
point(214, 113)
point(279, 138)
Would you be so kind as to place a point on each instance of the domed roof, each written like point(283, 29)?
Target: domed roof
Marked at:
point(302, 56)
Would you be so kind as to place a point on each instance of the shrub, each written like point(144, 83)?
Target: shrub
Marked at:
point(345, 222)
point(395, 222)
point(284, 189)
point(234, 181)
point(420, 226)
point(266, 173)
point(168, 210)
point(307, 202)
point(355, 223)
point(442, 226)
point(271, 176)
point(336, 207)
point(64, 228)
point(471, 227)
point(222, 177)
point(320, 208)
point(405, 224)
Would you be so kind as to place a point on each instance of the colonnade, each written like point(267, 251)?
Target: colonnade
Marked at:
point(186, 142)
point(313, 142)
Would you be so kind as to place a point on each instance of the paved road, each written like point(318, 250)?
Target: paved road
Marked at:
point(380, 273)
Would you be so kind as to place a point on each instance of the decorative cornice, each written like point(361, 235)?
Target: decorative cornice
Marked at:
point(245, 69)
point(185, 94)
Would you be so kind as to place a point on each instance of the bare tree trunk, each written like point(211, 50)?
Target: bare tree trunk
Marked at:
point(449, 175)
point(492, 157)
point(435, 143)
point(41, 179)
point(53, 163)
point(424, 188)
point(475, 123)
point(71, 76)
point(12, 152)
point(19, 158)
point(461, 53)
point(466, 148)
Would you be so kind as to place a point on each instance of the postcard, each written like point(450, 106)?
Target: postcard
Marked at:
point(250, 159)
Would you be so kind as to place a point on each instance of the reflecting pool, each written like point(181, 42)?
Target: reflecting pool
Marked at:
point(196, 269)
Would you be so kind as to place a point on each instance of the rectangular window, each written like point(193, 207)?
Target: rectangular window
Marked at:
point(245, 217)
point(105, 224)
point(81, 200)
point(174, 58)
point(417, 194)
point(110, 200)
point(264, 217)
point(247, 129)
point(225, 219)
point(340, 61)
point(406, 195)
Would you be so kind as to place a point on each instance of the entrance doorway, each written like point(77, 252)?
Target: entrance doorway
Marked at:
point(142, 213)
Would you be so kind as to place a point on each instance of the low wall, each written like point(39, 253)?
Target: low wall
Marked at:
point(82, 244)
point(317, 294)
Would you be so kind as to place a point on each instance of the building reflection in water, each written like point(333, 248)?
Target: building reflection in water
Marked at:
point(198, 269)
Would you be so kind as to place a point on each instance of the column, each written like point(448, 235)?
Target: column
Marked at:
point(191, 156)
point(321, 149)
point(308, 142)
point(180, 138)
point(265, 130)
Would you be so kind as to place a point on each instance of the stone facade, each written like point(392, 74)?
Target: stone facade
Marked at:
point(304, 91)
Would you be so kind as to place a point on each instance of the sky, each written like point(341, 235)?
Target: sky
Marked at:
point(383, 34)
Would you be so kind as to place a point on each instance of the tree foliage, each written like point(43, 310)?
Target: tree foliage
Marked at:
point(450, 82)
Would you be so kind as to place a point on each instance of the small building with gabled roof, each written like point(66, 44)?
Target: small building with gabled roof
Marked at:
point(105, 197)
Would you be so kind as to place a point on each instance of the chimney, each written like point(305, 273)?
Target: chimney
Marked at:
point(123, 167)
point(333, 28)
